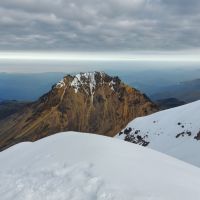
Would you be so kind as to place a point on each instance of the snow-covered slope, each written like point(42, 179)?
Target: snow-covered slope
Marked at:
point(76, 166)
point(175, 132)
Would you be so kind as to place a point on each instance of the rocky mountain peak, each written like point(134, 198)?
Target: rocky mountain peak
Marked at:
point(88, 80)
point(87, 102)
point(88, 83)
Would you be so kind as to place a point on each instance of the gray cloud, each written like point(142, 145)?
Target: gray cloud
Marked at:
point(96, 25)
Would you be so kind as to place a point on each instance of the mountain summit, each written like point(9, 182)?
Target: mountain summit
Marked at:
point(88, 102)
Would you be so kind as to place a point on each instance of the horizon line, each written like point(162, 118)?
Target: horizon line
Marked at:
point(167, 56)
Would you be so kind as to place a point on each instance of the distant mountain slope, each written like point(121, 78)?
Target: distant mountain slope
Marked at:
point(186, 91)
point(88, 102)
point(175, 132)
point(8, 108)
point(167, 103)
point(90, 167)
point(26, 87)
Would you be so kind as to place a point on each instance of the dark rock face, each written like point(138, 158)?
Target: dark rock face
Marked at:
point(10, 107)
point(184, 133)
point(88, 102)
point(134, 136)
point(197, 137)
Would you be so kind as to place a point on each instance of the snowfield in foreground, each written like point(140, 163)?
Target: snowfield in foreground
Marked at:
point(175, 132)
point(77, 166)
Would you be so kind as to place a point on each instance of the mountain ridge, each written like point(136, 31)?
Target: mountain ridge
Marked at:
point(187, 91)
point(175, 131)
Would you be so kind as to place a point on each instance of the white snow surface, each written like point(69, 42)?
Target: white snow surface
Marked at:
point(77, 166)
point(163, 127)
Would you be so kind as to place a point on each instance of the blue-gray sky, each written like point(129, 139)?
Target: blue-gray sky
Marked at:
point(97, 25)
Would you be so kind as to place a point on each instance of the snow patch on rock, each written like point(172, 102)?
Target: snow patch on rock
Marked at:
point(89, 79)
point(84, 79)
point(111, 84)
point(60, 84)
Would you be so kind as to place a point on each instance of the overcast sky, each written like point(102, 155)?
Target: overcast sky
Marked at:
point(100, 25)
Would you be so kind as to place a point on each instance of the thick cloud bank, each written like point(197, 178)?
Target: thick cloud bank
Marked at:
point(99, 25)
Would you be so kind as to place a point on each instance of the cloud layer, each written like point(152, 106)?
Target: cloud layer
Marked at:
point(96, 25)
